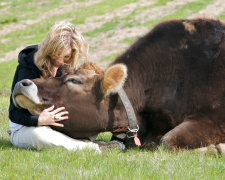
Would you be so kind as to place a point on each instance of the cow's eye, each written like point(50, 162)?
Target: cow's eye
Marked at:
point(75, 81)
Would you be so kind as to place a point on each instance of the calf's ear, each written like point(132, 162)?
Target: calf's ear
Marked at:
point(114, 78)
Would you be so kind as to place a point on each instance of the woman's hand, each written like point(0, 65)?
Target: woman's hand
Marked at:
point(48, 116)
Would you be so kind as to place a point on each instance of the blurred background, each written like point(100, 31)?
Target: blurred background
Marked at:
point(109, 26)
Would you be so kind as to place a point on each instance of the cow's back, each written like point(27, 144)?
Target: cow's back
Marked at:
point(177, 69)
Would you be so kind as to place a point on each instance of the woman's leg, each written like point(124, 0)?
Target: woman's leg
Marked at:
point(45, 137)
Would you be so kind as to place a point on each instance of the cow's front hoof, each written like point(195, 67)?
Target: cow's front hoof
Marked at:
point(221, 148)
point(167, 143)
point(211, 149)
point(111, 145)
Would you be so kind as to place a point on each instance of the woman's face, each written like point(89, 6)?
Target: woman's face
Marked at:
point(60, 58)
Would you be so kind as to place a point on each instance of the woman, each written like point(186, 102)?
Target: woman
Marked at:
point(57, 54)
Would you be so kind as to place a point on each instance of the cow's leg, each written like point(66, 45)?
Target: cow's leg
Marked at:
point(196, 131)
point(221, 148)
point(212, 149)
point(111, 145)
point(151, 142)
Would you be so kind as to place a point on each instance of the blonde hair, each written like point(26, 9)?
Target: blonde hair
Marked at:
point(61, 36)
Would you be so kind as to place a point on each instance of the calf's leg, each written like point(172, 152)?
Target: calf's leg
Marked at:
point(194, 132)
point(212, 149)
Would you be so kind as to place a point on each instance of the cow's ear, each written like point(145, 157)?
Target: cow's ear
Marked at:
point(114, 78)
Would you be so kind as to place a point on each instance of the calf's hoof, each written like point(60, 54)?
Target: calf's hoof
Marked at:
point(221, 148)
point(166, 143)
point(111, 145)
point(211, 149)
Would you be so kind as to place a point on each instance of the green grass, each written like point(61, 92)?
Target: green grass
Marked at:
point(127, 21)
point(110, 57)
point(8, 20)
point(189, 9)
point(58, 163)
point(106, 27)
point(182, 12)
point(222, 17)
point(30, 35)
point(25, 36)
point(160, 3)
point(128, 40)
point(134, 164)
point(7, 70)
point(99, 9)
point(31, 9)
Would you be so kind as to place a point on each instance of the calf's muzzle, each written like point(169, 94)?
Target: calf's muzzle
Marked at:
point(27, 88)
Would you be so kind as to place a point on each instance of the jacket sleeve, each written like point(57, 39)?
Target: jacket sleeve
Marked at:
point(17, 115)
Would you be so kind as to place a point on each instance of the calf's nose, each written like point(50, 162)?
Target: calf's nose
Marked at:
point(28, 89)
point(26, 82)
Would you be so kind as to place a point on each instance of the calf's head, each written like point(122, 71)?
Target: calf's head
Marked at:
point(84, 94)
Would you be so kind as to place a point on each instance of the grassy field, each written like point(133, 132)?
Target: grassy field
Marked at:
point(103, 22)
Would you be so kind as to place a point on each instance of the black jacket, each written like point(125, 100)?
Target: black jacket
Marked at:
point(26, 69)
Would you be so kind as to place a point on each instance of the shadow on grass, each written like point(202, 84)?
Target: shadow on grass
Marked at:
point(6, 144)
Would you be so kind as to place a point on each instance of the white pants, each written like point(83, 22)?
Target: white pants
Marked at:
point(45, 137)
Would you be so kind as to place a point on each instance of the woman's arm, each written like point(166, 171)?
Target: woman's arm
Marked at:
point(22, 116)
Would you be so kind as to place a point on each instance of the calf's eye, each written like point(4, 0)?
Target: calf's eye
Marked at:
point(74, 81)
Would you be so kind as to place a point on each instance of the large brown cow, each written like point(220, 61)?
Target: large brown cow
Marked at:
point(175, 82)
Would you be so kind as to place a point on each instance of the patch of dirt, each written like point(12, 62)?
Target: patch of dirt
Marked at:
point(4, 10)
point(60, 10)
point(12, 54)
point(4, 3)
point(97, 21)
point(216, 8)
point(161, 11)
point(90, 24)
point(4, 40)
point(111, 45)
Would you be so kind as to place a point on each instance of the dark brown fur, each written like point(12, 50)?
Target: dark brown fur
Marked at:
point(176, 76)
